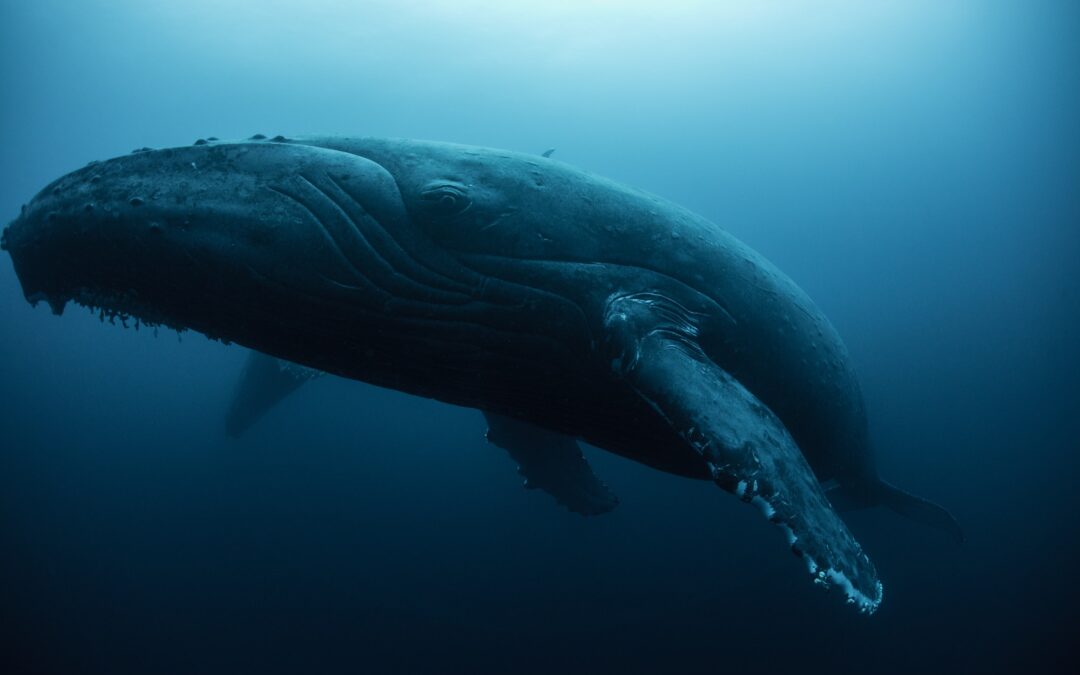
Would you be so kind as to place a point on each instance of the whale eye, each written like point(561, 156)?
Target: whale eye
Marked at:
point(446, 199)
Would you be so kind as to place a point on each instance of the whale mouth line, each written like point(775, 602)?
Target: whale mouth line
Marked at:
point(122, 308)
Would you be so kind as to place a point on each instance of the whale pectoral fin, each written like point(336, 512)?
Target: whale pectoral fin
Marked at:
point(264, 382)
point(745, 446)
point(551, 462)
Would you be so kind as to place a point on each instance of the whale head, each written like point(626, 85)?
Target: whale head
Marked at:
point(247, 242)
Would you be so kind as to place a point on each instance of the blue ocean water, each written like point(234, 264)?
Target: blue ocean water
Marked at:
point(914, 166)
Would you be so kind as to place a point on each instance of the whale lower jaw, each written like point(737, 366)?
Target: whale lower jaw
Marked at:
point(122, 309)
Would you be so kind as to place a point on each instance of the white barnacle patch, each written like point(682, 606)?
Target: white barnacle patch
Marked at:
point(740, 489)
point(828, 576)
point(792, 538)
point(854, 595)
point(764, 505)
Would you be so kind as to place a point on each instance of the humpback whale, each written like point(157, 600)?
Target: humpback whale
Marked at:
point(563, 305)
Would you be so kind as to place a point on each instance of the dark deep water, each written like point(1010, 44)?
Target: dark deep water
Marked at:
point(914, 166)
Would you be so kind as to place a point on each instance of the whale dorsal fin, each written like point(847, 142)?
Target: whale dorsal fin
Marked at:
point(745, 446)
point(547, 153)
point(551, 462)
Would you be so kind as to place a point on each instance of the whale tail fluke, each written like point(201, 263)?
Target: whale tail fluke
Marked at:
point(913, 508)
point(919, 510)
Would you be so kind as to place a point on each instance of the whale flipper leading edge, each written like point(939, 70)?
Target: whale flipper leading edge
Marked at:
point(745, 445)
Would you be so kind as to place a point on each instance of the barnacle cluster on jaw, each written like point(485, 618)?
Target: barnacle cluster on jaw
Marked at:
point(120, 306)
point(126, 308)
